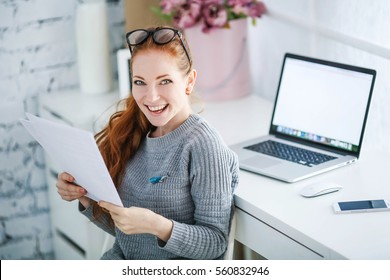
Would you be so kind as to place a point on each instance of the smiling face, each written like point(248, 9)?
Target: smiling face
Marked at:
point(159, 88)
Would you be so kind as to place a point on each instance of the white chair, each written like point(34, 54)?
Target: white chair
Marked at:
point(229, 254)
point(108, 243)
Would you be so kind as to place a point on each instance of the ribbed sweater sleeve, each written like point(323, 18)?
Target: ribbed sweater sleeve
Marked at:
point(213, 173)
point(103, 223)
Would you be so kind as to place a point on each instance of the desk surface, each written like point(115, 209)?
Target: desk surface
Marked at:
point(310, 221)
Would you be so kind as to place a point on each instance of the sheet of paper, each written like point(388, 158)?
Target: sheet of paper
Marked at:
point(76, 152)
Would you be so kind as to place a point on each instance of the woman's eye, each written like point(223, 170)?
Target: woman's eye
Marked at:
point(138, 82)
point(165, 82)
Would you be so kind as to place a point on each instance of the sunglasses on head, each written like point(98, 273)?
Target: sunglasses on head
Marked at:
point(160, 36)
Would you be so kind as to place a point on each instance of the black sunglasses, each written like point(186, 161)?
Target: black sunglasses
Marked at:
point(161, 36)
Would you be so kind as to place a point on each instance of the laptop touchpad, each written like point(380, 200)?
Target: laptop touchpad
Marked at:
point(260, 162)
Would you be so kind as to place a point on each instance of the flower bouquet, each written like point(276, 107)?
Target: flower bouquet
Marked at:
point(209, 13)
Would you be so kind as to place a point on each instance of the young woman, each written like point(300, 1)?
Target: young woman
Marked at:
point(173, 172)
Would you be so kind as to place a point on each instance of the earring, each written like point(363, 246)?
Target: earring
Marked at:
point(188, 90)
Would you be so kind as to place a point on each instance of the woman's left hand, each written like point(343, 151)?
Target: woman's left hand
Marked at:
point(135, 220)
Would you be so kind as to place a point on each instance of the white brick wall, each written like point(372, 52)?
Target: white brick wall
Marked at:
point(38, 56)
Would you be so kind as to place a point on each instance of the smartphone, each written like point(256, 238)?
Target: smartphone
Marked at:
point(361, 206)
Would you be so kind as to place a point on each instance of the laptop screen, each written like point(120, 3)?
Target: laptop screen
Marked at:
point(323, 102)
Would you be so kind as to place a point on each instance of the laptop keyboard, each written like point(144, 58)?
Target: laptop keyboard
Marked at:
point(290, 153)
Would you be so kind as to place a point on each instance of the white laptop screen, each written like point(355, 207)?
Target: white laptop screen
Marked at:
point(322, 102)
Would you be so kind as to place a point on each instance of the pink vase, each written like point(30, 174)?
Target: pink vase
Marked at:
point(221, 60)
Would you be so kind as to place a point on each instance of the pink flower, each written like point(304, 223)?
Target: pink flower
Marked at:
point(234, 3)
point(216, 2)
point(169, 6)
point(188, 14)
point(251, 8)
point(256, 9)
point(214, 15)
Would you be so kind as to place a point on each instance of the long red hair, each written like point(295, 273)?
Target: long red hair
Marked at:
point(119, 141)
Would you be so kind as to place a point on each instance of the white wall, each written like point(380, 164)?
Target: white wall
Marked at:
point(37, 57)
point(349, 31)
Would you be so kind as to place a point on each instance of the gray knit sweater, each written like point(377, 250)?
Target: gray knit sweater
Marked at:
point(197, 194)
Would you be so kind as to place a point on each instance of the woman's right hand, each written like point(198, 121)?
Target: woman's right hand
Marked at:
point(69, 191)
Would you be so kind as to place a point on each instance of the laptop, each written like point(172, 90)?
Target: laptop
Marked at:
point(318, 120)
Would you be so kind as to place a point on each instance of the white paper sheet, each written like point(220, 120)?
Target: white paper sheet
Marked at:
point(76, 152)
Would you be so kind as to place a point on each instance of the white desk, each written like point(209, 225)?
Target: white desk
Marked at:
point(274, 220)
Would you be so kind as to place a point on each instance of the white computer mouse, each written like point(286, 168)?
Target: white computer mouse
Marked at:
point(320, 188)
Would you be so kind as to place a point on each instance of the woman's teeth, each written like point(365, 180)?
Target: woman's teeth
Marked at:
point(156, 108)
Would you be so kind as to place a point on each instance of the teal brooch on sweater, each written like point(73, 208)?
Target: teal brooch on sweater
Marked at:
point(157, 179)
